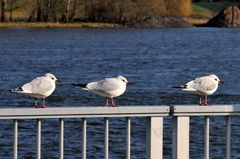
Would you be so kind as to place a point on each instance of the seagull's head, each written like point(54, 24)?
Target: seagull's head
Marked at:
point(215, 78)
point(51, 77)
point(123, 79)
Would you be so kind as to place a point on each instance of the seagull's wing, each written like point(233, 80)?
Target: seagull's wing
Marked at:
point(105, 85)
point(204, 84)
point(41, 85)
point(26, 88)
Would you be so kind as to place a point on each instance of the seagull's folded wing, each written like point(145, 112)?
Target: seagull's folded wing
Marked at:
point(41, 85)
point(106, 85)
point(204, 84)
point(27, 88)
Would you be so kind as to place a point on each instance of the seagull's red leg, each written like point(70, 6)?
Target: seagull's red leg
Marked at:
point(206, 102)
point(113, 105)
point(200, 100)
point(106, 101)
point(36, 103)
point(43, 103)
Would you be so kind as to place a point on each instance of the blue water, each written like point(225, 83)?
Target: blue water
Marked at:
point(153, 59)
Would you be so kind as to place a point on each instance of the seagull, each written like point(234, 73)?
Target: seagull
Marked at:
point(202, 86)
point(40, 87)
point(108, 87)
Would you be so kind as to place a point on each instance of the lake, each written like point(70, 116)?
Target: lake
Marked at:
point(155, 60)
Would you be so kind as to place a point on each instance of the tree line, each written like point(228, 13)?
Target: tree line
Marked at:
point(90, 10)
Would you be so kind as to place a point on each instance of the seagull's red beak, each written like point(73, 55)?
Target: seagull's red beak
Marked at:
point(221, 82)
point(129, 82)
point(58, 81)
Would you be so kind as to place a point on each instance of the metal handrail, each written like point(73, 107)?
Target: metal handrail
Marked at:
point(183, 113)
point(150, 112)
point(181, 120)
point(83, 112)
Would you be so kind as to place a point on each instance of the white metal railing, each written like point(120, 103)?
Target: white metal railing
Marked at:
point(154, 114)
point(181, 116)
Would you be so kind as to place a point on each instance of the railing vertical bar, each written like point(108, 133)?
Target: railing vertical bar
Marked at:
point(15, 142)
point(128, 139)
point(206, 139)
point(180, 137)
point(84, 138)
point(38, 139)
point(228, 144)
point(106, 129)
point(61, 139)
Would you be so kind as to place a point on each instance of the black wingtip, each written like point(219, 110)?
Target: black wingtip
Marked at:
point(177, 87)
point(79, 85)
point(16, 90)
point(182, 86)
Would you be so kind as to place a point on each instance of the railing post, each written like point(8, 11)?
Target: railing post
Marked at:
point(61, 143)
point(154, 138)
point(206, 138)
point(84, 138)
point(228, 144)
point(15, 142)
point(180, 137)
point(38, 139)
point(128, 138)
point(106, 134)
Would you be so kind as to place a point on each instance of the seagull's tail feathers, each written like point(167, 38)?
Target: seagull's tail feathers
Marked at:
point(17, 90)
point(83, 86)
point(181, 86)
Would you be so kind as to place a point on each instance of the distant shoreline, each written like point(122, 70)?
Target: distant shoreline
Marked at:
point(60, 25)
point(192, 22)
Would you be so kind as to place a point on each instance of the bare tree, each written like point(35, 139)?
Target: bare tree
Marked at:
point(39, 11)
point(3, 8)
point(46, 16)
point(11, 10)
point(13, 5)
point(89, 7)
point(73, 9)
point(67, 10)
point(50, 10)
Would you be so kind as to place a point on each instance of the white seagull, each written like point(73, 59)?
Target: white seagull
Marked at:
point(40, 87)
point(202, 86)
point(108, 87)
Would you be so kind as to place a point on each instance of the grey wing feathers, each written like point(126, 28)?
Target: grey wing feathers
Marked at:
point(204, 84)
point(108, 84)
point(27, 88)
point(41, 85)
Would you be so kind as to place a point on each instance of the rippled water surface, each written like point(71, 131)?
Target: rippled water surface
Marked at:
point(153, 59)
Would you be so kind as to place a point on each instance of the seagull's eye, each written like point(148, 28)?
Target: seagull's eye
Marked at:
point(52, 78)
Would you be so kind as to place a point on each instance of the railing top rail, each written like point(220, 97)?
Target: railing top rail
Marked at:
point(121, 111)
point(212, 110)
point(84, 112)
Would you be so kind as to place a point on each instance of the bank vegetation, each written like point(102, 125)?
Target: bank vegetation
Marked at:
point(113, 11)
